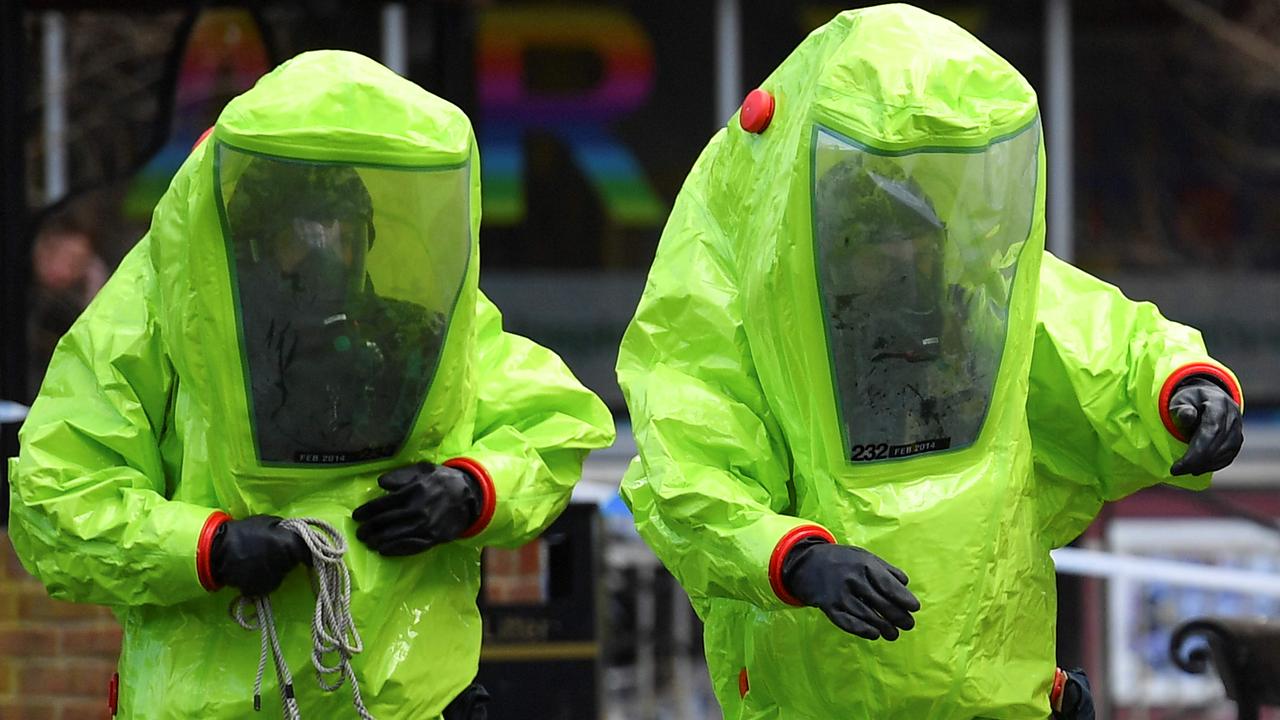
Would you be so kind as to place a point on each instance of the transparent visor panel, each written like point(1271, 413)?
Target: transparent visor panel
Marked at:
point(916, 258)
point(346, 277)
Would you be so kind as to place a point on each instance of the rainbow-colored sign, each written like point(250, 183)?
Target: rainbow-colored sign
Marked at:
point(508, 108)
point(225, 55)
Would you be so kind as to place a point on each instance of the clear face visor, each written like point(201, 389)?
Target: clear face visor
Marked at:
point(346, 277)
point(916, 255)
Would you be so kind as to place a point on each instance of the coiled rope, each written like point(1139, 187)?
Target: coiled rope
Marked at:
point(332, 629)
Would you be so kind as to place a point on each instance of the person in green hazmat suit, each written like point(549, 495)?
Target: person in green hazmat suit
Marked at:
point(867, 401)
point(300, 335)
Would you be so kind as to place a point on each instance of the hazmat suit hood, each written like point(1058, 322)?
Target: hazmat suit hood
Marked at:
point(906, 190)
point(292, 366)
point(302, 317)
point(836, 340)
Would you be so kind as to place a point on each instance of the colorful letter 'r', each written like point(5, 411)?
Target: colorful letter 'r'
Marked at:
point(508, 108)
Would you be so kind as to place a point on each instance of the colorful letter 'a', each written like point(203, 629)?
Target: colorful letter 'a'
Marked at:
point(508, 108)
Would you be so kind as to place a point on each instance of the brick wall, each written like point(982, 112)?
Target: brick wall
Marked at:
point(516, 577)
point(56, 658)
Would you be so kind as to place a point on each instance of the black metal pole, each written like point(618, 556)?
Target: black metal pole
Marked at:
point(15, 247)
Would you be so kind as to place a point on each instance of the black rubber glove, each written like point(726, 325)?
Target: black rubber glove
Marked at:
point(254, 554)
point(1207, 415)
point(471, 704)
point(425, 505)
point(862, 594)
point(1077, 698)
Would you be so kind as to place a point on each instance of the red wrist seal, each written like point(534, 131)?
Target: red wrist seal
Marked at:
point(779, 556)
point(204, 548)
point(1189, 370)
point(489, 501)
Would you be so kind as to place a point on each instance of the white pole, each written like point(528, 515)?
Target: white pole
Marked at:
point(1075, 561)
point(395, 42)
point(1059, 129)
point(729, 90)
point(55, 107)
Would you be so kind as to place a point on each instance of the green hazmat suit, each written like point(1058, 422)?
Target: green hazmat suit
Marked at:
point(852, 331)
point(161, 407)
